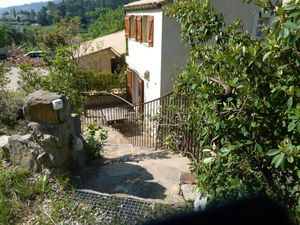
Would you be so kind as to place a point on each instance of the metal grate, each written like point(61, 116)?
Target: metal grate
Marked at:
point(116, 210)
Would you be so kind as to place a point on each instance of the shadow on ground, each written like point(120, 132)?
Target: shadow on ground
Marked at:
point(123, 178)
point(143, 156)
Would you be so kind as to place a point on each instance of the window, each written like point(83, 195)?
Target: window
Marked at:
point(261, 19)
point(141, 28)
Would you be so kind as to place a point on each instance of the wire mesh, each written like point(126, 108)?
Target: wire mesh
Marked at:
point(111, 208)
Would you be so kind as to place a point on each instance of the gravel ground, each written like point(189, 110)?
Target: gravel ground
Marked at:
point(13, 76)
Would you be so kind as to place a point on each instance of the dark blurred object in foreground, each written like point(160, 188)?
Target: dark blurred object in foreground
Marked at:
point(254, 211)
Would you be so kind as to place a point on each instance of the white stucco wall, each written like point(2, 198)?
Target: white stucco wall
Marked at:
point(142, 58)
point(168, 55)
point(174, 54)
point(236, 9)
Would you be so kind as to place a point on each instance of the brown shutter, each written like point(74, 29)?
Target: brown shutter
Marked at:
point(132, 27)
point(127, 26)
point(129, 84)
point(135, 27)
point(141, 95)
point(151, 30)
point(139, 29)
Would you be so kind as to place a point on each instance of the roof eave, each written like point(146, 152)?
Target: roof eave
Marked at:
point(146, 6)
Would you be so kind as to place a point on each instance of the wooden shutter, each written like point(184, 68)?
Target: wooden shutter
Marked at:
point(151, 30)
point(135, 27)
point(127, 26)
point(141, 95)
point(139, 28)
point(129, 84)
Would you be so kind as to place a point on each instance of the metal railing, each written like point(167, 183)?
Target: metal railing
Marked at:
point(156, 124)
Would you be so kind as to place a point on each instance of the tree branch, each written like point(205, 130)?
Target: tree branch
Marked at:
point(228, 89)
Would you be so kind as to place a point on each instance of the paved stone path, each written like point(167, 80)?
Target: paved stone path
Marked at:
point(141, 173)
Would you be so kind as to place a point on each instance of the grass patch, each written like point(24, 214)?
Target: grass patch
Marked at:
point(39, 199)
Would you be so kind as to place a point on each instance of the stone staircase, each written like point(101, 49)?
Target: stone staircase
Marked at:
point(142, 173)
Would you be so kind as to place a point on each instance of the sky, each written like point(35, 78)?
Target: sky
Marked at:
point(6, 3)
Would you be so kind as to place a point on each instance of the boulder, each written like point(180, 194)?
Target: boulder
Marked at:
point(24, 152)
point(77, 151)
point(4, 146)
point(189, 192)
point(76, 125)
point(188, 178)
point(38, 108)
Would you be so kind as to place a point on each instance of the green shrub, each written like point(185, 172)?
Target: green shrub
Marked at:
point(250, 135)
point(106, 81)
point(63, 77)
point(3, 79)
point(95, 137)
point(11, 116)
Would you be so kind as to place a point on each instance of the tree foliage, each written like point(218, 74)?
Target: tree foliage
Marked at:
point(72, 8)
point(63, 77)
point(249, 135)
point(3, 36)
point(111, 21)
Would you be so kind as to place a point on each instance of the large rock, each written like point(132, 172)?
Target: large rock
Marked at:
point(38, 108)
point(77, 151)
point(54, 137)
point(24, 152)
point(4, 146)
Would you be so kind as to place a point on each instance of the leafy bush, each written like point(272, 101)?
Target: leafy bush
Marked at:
point(249, 135)
point(11, 104)
point(10, 107)
point(66, 78)
point(106, 81)
point(95, 137)
point(3, 79)
point(63, 77)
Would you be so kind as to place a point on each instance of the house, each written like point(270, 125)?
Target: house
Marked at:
point(21, 17)
point(103, 54)
point(155, 51)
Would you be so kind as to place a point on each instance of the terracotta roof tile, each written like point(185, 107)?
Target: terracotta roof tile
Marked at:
point(145, 4)
point(115, 41)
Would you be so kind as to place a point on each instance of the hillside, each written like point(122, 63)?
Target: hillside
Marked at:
point(27, 7)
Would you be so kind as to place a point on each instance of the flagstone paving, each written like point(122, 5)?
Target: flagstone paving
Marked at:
point(143, 173)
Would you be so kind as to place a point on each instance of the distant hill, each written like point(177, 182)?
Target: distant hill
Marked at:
point(36, 6)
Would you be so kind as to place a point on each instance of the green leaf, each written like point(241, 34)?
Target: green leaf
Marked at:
point(298, 173)
point(273, 152)
point(286, 32)
point(266, 56)
point(278, 159)
point(253, 124)
point(291, 126)
point(290, 102)
point(224, 151)
point(258, 147)
point(290, 159)
point(290, 7)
